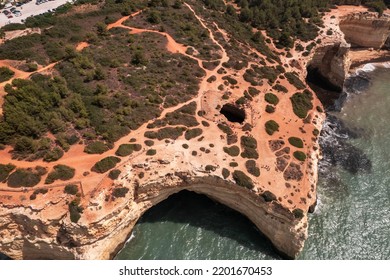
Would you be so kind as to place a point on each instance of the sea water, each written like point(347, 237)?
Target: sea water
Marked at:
point(352, 219)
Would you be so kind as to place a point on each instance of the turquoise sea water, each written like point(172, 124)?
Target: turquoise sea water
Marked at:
point(352, 219)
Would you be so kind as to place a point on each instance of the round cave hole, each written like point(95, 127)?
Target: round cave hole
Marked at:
point(233, 113)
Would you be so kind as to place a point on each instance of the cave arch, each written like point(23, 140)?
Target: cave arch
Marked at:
point(188, 207)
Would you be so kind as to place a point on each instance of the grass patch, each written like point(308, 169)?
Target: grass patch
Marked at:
point(302, 103)
point(96, 148)
point(271, 127)
point(301, 156)
point(105, 164)
point(296, 142)
point(127, 149)
point(60, 172)
point(242, 179)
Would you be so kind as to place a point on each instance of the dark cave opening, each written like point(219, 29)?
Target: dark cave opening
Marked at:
point(331, 96)
point(233, 113)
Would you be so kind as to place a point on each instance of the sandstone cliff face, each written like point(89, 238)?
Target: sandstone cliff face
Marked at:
point(332, 62)
point(25, 236)
point(366, 29)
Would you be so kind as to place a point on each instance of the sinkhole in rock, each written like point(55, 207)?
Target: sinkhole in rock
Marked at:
point(233, 113)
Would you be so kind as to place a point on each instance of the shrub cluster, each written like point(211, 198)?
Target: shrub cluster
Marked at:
point(96, 147)
point(192, 133)
point(232, 151)
point(105, 164)
point(5, 170)
point(242, 179)
point(114, 174)
point(127, 149)
point(6, 74)
point(24, 178)
point(249, 146)
point(120, 192)
point(302, 103)
point(271, 98)
point(252, 168)
point(271, 127)
point(296, 142)
point(301, 156)
point(71, 189)
point(60, 172)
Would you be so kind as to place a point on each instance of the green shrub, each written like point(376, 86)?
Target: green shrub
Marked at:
point(37, 192)
point(120, 192)
point(301, 156)
point(271, 127)
point(185, 146)
point(225, 173)
point(105, 164)
point(6, 74)
point(270, 109)
point(319, 109)
point(249, 146)
point(71, 189)
point(60, 172)
point(149, 143)
point(75, 210)
point(294, 80)
point(271, 98)
point(165, 133)
point(280, 88)
point(53, 155)
point(151, 152)
point(210, 168)
point(5, 170)
point(301, 103)
point(242, 179)
point(114, 174)
point(232, 151)
point(127, 149)
point(252, 168)
point(23, 178)
point(96, 148)
point(253, 91)
point(316, 132)
point(296, 142)
point(298, 213)
point(268, 196)
point(233, 164)
point(225, 128)
point(192, 133)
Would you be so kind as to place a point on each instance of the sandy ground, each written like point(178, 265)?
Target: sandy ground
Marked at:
point(180, 158)
point(31, 9)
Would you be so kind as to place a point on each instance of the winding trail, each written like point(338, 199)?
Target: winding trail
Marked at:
point(85, 161)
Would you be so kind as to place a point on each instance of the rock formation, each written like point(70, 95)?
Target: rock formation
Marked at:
point(366, 29)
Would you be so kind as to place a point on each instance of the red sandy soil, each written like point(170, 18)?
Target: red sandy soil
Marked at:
point(290, 125)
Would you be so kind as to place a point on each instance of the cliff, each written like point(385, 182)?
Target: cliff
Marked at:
point(366, 29)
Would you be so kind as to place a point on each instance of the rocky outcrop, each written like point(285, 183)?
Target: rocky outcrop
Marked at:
point(59, 239)
point(366, 29)
point(331, 62)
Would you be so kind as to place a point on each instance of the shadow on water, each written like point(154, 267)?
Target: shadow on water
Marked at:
point(199, 211)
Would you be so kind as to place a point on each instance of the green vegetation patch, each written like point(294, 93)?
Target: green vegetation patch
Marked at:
point(114, 174)
point(37, 192)
point(268, 196)
point(271, 127)
point(71, 189)
point(301, 156)
point(120, 192)
point(225, 173)
point(302, 103)
point(294, 80)
point(5, 170)
point(75, 210)
point(24, 178)
point(298, 213)
point(232, 151)
point(165, 133)
point(271, 98)
point(105, 164)
point(192, 133)
point(296, 142)
point(60, 172)
point(270, 109)
point(6, 74)
point(242, 179)
point(210, 168)
point(252, 168)
point(96, 147)
point(249, 146)
point(151, 152)
point(127, 149)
